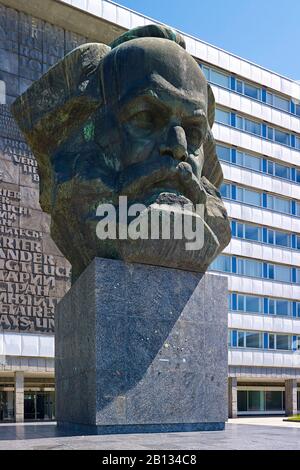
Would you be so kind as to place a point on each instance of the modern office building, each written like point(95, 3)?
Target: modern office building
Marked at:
point(257, 131)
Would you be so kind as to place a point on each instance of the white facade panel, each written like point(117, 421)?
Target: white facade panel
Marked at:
point(264, 217)
point(256, 109)
point(263, 252)
point(263, 287)
point(242, 321)
point(241, 357)
point(232, 136)
point(260, 181)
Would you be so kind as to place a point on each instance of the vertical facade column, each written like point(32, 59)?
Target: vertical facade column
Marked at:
point(19, 397)
point(232, 397)
point(291, 397)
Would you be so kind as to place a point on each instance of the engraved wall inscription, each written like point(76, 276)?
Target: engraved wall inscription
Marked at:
point(33, 273)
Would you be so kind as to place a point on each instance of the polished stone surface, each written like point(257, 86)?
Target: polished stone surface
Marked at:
point(143, 347)
point(235, 437)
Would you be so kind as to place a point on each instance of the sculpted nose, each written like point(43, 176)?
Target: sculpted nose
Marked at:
point(176, 144)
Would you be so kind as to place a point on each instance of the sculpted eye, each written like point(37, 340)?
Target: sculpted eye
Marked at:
point(194, 136)
point(144, 120)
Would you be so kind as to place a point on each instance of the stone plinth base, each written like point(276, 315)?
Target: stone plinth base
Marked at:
point(142, 349)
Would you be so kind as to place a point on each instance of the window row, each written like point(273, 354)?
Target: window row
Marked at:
point(257, 128)
point(263, 340)
point(263, 305)
point(250, 90)
point(260, 234)
point(258, 199)
point(257, 163)
point(256, 269)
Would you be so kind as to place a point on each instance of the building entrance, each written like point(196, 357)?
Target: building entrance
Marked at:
point(39, 406)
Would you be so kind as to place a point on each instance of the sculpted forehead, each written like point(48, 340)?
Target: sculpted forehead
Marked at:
point(151, 62)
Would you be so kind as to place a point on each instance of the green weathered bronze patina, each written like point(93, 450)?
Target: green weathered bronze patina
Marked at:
point(132, 119)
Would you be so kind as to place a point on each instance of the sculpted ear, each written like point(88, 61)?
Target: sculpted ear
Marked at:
point(61, 99)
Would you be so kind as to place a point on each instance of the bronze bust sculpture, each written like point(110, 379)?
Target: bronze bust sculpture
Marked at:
point(133, 119)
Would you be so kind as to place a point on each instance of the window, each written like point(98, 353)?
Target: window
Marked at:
point(222, 117)
point(223, 153)
point(283, 274)
point(225, 190)
point(271, 341)
point(250, 268)
point(282, 239)
point(252, 91)
point(219, 78)
point(282, 137)
point(222, 263)
point(248, 161)
point(282, 171)
point(283, 342)
point(252, 197)
point(282, 307)
point(252, 233)
point(253, 340)
point(252, 127)
point(278, 204)
point(281, 103)
point(253, 304)
point(241, 339)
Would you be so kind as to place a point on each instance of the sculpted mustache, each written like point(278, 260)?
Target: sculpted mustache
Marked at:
point(150, 173)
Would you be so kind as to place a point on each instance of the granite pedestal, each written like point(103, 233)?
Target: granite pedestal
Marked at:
point(142, 349)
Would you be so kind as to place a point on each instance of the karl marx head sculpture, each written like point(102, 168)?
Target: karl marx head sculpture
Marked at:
point(133, 119)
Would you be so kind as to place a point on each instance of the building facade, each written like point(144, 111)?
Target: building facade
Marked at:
point(257, 131)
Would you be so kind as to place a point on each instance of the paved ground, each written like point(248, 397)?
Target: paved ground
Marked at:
point(239, 434)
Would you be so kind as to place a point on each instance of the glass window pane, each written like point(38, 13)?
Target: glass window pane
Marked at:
point(252, 127)
point(252, 232)
point(271, 237)
point(269, 98)
point(252, 197)
point(270, 168)
point(253, 340)
point(239, 86)
point(225, 190)
point(271, 341)
point(274, 400)
point(239, 122)
point(283, 342)
point(242, 400)
point(297, 143)
point(255, 400)
point(281, 103)
point(240, 158)
point(282, 307)
point(241, 336)
point(281, 205)
point(254, 163)
point(283, 274)
point(222, 117)
point(240, 194)
point(282, 239)
point(223, 153)
point(298, 176)
point(270, 133)
point(240, 231)
point(219, 78)
point(241, 303)
point(297, 109)
point(252, 91)
point(205, 70)
point(253, 304)
point(222, 263)
point(282, 171)
point(252, 268)
point(282, 137)
point(271, 307)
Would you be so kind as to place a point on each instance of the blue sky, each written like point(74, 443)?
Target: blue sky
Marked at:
point(266, 32)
